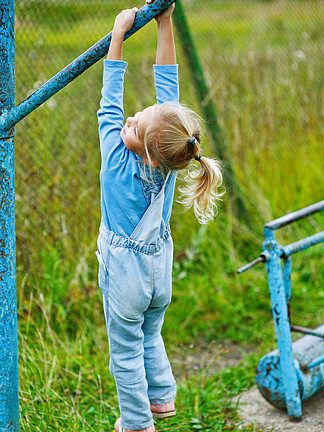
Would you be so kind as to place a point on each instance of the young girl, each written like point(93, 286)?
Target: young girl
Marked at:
point(140, 161)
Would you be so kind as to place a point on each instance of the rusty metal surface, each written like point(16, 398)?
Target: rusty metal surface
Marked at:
point(289, 380)
point(9, 401)
point(311, 332)
point(77, 67)
point(260, 259)
point(308, 362)
point(269, 381)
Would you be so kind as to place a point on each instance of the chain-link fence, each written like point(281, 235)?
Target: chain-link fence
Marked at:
point(263, 62)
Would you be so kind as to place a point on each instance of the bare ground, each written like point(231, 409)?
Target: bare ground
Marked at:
point(253, 408)
point(207, 357)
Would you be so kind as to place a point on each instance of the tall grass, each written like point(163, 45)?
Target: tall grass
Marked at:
point(263, 63)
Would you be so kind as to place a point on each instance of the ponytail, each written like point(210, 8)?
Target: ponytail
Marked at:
point(201, 190)
point(172, 140)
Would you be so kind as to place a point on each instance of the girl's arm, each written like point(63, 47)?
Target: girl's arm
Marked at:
point(123, 22)
point(165, 53)
point(166, 68)
point(111, 113)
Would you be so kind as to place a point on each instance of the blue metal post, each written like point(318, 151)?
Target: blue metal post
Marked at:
point(282, 326)
point(9, 402)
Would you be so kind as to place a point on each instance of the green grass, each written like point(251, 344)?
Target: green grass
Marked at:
point(263, 63)
point(65, 384)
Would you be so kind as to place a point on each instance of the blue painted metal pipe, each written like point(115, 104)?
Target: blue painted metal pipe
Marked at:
point(316, 362)
point(303, 244)
point(308, 364)
point(9, 401)
point(77, 67)
point(295, 216)
point(289, 378)
point(286, 252)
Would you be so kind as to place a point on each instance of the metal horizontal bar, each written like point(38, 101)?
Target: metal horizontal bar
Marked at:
point(295, 216)
point(251, 264)
point(316, 362)
point(304, 330)
point(302, 244)
point(286, 251)
point(77, 67)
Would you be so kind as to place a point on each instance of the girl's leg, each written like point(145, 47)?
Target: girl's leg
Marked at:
point(127, 365)
point(161, 383)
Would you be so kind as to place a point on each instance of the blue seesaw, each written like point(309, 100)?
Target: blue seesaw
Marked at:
point(295, 371)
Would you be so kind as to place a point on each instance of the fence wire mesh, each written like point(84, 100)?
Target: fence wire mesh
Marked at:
point(263, 62)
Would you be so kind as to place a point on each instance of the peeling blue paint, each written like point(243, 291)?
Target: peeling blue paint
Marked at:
point(307, 363)
point(9, 400)
point(286, 365)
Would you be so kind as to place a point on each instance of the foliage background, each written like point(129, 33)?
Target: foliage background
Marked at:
point(263, 62)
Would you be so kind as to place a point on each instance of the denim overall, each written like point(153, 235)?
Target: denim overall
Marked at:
point(135, 276)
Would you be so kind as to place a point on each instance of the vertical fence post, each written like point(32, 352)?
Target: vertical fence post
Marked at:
point(9, 398)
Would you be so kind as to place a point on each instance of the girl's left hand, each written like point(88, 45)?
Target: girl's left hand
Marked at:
point(165, 14)
point(124, 21)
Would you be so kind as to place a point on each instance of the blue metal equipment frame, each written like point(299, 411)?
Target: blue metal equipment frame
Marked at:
point(10, 116)
point(296, 371)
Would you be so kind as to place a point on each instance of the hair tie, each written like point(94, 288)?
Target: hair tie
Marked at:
point(198, 157)
point(192, 141)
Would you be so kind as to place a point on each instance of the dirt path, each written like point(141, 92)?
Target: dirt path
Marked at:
point(253, 408)
point(207, 357)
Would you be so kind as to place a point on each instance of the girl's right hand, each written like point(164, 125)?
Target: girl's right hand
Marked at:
point(124, 21)
point(166, 14)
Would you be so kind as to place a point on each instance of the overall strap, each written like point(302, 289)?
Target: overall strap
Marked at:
point(151, 225)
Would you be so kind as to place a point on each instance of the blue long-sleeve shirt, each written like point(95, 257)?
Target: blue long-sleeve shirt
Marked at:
point(124, 194)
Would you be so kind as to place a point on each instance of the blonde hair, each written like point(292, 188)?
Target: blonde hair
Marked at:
point(167, 146)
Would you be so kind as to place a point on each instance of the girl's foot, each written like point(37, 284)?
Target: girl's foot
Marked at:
point(164, 410)
point(119, 428)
